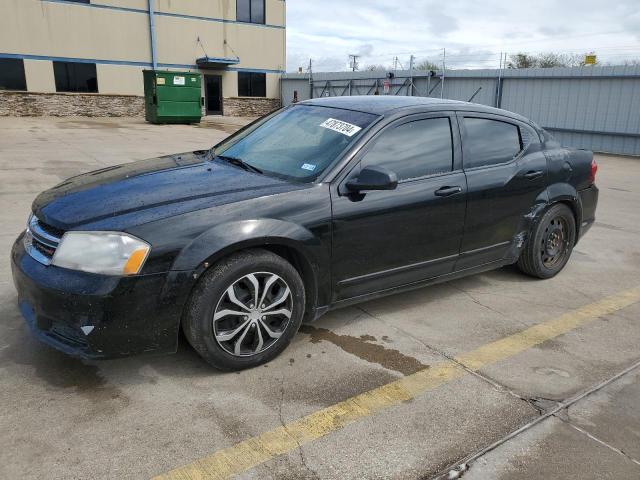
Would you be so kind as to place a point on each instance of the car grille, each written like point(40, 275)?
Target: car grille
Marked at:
point(41, 240)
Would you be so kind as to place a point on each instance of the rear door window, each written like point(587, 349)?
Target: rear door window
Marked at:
point(489, 142)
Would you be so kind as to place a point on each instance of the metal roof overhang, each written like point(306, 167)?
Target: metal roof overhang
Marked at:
point(216, 62)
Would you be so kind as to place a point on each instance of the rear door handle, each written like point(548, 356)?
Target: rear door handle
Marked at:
point(533, 174)
point(446, 191)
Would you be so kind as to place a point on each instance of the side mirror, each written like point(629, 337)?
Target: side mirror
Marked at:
point(373, 178)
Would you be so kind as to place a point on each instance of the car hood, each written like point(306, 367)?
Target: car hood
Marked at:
point(131, 194)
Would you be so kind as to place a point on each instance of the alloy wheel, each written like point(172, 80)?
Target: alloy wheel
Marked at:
point(252, 314)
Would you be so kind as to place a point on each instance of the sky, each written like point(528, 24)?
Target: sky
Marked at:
point(472, 32)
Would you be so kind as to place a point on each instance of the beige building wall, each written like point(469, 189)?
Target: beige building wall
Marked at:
point(120, 79)
point(119, 40)
point(273, 85)
point(39, 76)
point(223, 9)
point(257, 47)
point(229, 83)
point(136, 4)
point(51, 29)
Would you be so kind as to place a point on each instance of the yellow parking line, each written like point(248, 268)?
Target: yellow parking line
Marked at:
point(261, 448)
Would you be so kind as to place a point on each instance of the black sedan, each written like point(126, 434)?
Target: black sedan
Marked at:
point(319, 205)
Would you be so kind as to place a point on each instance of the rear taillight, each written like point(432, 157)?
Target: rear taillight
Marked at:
point(594, 170)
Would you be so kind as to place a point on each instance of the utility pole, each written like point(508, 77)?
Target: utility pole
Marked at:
point(310, 79)
point(499, 83)
point(444, 67)
point(411, 76)
point(354, 62)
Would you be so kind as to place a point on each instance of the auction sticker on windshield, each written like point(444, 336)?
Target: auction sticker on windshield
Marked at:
point(339, 126)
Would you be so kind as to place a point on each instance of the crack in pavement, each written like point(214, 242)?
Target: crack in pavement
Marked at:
point(284, 425)
point(596, 439)
point(495, 384)
point(534, 302)
point(454, 471)
point(545, 407)
point(476, 301)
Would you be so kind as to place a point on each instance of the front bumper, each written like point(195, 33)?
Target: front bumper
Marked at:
point(98, 316)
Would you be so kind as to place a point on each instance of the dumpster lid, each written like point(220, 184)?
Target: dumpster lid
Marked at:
point(216, 62)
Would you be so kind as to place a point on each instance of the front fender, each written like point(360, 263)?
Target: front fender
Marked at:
point(226, 238)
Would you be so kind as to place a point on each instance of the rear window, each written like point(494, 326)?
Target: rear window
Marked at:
point(489, 142)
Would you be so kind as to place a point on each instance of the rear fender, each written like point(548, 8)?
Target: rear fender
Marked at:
point(555, 193)
point(566, 193)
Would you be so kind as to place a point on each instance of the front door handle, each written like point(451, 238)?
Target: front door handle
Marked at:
point(533, 174)
point(446, 191)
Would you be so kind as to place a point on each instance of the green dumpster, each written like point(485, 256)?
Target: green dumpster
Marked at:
point(172, 97)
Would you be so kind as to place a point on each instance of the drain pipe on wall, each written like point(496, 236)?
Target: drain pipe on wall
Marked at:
point(152, 30)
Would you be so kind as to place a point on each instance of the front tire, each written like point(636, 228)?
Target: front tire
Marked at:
point(245, 310)
point(548, 249)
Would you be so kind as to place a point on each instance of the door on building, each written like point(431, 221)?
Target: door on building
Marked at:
point(213, 94)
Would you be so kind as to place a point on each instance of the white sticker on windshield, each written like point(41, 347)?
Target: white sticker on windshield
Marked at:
point(341, 127)
point(308, 166)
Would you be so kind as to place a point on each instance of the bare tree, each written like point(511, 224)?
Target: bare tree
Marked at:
point(522, 60)
point(376, 68)
point(550, 60)
point(546, 60)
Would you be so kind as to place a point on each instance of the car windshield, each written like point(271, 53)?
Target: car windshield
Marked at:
point(297, 143)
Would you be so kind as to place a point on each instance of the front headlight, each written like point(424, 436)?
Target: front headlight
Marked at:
point(109, 253)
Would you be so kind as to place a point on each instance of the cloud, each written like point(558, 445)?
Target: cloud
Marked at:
point(473, 33)
point(440, 23)
point(365, 50)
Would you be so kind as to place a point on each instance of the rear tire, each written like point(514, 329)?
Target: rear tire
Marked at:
point(227, 326)
point(550, 245)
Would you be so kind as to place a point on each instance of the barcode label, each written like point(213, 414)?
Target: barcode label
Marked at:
point(341, 127)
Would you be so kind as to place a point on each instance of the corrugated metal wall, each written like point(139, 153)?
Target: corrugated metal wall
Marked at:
point(597, 108)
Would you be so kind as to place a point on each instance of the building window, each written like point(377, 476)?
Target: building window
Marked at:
point(75, 77)
point(252, 84)
point(12, 74)
point(251, 11)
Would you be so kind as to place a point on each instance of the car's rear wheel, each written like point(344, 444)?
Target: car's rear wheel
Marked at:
point(245, 310)
point(548, 249)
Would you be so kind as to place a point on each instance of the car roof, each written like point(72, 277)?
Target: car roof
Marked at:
point(386, 105)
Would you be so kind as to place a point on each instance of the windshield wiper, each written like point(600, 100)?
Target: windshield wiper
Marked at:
point(240, 163)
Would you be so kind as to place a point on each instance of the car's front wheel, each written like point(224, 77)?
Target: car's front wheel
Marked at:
point(550, 245)
point(244, 311)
